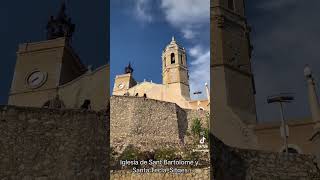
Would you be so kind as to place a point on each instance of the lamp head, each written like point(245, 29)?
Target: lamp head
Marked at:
point(307, 71)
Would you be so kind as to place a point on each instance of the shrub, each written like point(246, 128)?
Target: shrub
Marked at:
point(196, 127)
point(195, 156)
point(165, 154)
point(130, 153)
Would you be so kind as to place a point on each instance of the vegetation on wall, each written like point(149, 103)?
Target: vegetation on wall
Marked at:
point(165, 154)
point(198, 130)
point(196, 127)
point(130, 153)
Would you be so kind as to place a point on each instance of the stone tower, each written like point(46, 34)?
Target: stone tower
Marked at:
point(124, 81)
point(233, 91)
point(42, 67)
point(175, 68)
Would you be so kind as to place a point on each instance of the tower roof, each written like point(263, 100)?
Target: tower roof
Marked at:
point(61, 25)
point(128, 69)
point(173, 44)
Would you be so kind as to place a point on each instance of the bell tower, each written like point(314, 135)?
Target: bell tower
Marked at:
point(175, 68)
point(233, 89)
point(124, 81)
point(42, 67)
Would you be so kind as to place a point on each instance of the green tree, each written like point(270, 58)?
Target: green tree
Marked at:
point(196, 127)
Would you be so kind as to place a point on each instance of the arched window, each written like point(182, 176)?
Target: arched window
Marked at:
point(231, 4)
point(181, 59)
point(164, 62)
point(200, 109)
point(292, 148)
point(55, 103)
point(173, 60)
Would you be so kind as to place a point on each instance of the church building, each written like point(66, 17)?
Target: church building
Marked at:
point(50, 74)
point(234, 119)
point(175, 86)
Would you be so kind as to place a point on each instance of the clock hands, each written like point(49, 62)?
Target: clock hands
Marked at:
point(34, 79)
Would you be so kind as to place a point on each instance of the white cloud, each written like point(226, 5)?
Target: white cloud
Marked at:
point(142, 11)
point(192, 18)
point(186, 12)
point(186, 15)
point(188, 33)
point(199, 70)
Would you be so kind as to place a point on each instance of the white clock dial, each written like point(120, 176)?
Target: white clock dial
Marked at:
point(36, 79)
point(121, 86)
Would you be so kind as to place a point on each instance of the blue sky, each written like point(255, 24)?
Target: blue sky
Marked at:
point(25, 21)
point(285, 36)
point(140, 29)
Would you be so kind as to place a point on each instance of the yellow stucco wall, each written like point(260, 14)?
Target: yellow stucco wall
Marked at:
point(161, 92)
point(300, 132)
point(92, 85)
point(65, 75)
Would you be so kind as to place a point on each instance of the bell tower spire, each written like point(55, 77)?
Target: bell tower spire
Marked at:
point(174, 67)
point(61, 25)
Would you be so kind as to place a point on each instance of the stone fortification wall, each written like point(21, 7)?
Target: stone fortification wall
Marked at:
point(147, 123)
point(45, 144)
point(231, 163)
point(143, 122)
point(152, 125)
point(202, 115)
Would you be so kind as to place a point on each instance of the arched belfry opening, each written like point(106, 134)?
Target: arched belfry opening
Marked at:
point(173, 60)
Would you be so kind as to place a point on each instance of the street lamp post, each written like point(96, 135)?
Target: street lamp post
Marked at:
point(284, 128)
point(315, 111)
point(198, 93)
point(313, 98)
point(282, 98)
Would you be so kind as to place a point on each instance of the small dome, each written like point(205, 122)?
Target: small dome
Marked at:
point(128, 69)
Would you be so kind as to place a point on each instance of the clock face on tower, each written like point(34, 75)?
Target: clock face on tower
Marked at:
point(36, 79)
point(121, 86)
